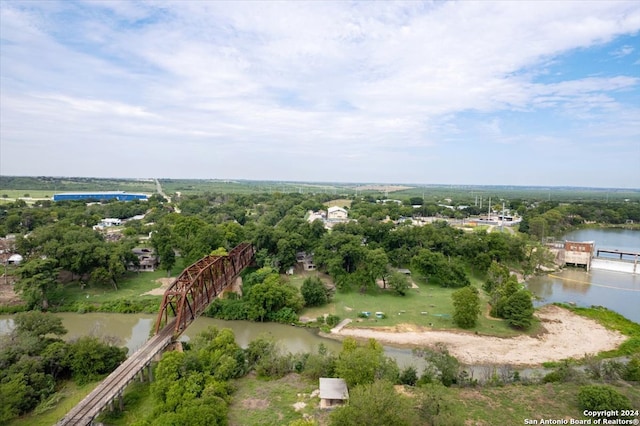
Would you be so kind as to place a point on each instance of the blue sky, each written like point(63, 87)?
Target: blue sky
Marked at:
point(511, 93)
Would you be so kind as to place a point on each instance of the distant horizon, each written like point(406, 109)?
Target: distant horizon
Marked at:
point(362, 183)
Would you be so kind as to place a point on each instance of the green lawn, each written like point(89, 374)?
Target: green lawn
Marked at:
point(427, 306)
point(131, 287)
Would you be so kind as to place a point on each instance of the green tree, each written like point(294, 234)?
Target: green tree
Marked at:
point(38, 324)
point(466, 306)
point(90, 358)
point(267, 298)
point(446, 365)
point(518, 309)
point(364, 364)
point(38, 281)
point(314, 292)
point(375, 404)
point(399, 283)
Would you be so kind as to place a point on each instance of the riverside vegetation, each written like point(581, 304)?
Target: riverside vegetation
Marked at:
point(70, 267)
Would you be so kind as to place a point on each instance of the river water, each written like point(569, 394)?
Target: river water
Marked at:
point(133, 330)
point(617, 291)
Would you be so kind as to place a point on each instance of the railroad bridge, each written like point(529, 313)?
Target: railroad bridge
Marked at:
point(185, 299)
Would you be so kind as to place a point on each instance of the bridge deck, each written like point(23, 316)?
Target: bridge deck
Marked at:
point(618, 253)
point(107, 391)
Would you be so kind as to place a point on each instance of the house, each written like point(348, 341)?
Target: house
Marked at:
point(110, 222)
point(333, 392)
point(147, 260)
point(336, 212)
point(313, 216)
point(306, 260)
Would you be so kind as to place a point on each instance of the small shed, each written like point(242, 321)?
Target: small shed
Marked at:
point(333, 392)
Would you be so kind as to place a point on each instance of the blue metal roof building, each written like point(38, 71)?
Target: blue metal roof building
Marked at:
point(100, 196)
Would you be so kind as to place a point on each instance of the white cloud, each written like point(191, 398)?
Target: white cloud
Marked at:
point(283, 79)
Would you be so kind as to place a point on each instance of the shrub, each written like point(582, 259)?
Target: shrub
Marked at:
point(632, 370)
point(314, 292)
point(599, 398)
point(332, 320)
point(409, 376)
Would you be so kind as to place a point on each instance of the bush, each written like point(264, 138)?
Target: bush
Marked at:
point(332, 320)
point(602, 398)
point(632, 370)
point(409, 376)
point(284, 316)
point(563, 374)
point(314, 292)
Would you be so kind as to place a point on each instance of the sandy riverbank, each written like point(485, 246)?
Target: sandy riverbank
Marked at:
point(567, 335)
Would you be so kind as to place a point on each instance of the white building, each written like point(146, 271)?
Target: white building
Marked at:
point(336, 212)
point(110, 222)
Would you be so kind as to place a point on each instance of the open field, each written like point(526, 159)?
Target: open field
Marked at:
point(132, 287)
point(259, 402)
point(271, 402)
point(13, 194)
point(427, 306)
point(70, 184)
point(459, 193)
point(340, 202)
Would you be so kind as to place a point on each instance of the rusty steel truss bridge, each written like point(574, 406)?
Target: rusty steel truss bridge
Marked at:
point(185, 299)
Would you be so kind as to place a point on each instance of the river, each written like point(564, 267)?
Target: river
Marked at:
point(617, 291)
point(132, 331)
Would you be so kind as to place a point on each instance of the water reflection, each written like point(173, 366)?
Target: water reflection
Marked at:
point(617, 291)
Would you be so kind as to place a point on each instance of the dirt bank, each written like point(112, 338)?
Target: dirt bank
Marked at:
point(567, 335)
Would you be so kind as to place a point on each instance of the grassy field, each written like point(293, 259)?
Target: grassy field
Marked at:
point(510, 405)
point(258, 402)
point(340, 202)
point(426, 306)
point(63, 401)
point(261, 402)
point(25, 193)
point(130, 288)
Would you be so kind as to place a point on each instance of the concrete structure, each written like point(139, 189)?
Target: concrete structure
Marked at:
point(615, 265)
point(336, 212)
point(333, 392)
point(579, 253)
point(100, 196)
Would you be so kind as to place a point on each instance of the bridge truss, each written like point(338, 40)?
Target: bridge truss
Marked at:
point(196, 287)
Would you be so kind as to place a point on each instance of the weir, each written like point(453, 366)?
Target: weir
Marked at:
point(186, 298)
point(622, 264)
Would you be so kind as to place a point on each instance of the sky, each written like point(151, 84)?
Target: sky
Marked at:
point(449, 92)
